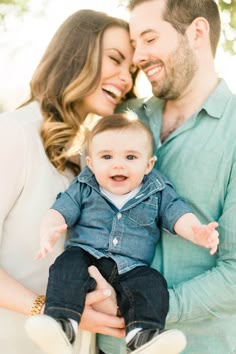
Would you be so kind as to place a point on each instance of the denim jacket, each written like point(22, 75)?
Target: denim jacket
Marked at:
point(128, 235)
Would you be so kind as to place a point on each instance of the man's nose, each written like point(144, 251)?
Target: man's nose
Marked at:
point(140, 55)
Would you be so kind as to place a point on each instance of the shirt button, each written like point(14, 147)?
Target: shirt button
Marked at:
point(115, 241)
point(119, 215)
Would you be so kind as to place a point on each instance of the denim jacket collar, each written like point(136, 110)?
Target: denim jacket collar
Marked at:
point(152, 183)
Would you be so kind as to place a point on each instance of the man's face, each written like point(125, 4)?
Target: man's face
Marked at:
point(160, 51)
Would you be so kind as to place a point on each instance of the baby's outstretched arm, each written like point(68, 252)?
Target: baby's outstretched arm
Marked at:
point(189, 227)
point(52, 227)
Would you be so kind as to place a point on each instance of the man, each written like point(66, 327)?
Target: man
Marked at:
point(193, 118)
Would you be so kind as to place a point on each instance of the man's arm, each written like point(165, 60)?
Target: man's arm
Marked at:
point(212, 294)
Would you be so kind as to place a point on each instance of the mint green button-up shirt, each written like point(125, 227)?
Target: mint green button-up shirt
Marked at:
point(200, 160)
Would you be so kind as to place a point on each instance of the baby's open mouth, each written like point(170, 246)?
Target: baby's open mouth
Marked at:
point(119, 178)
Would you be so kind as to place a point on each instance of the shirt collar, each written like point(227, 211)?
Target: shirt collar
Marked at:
point(153, 181)
point(87, 176)
point(216, 103)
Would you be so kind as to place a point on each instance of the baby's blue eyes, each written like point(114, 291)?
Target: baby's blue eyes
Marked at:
point(130, 157)
point(106, 157)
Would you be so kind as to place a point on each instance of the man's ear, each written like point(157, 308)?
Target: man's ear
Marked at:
point(150, 165)
point(198, 32)
point(89, 162)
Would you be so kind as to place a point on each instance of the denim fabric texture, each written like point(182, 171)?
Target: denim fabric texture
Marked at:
point(129, 235)
point(142, 293)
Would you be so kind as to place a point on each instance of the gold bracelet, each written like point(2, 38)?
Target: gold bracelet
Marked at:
point(37, 305)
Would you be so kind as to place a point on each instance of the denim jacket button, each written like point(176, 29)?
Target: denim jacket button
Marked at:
point(115, 241)
point(119, 215)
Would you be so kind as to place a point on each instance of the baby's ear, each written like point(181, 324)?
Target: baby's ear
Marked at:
point(89, 162)
point(150, 164)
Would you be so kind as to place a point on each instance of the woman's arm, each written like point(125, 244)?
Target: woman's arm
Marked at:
point(14, 296)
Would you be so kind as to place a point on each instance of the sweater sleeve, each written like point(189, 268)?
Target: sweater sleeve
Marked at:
point(12, 157)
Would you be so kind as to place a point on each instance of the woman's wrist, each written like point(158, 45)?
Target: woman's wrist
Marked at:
point(38, 305)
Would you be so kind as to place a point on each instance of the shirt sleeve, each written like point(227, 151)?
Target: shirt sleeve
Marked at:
point(212, 294)
point(13, 160)
point(172, 207)
point(69, 203)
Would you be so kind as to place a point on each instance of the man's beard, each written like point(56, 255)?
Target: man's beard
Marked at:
point(180, 68)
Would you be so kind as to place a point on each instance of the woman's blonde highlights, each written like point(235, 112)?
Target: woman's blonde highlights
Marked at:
point(69, 71)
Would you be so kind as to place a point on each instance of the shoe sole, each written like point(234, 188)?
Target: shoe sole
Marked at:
point(48, 335)
point(172, 341)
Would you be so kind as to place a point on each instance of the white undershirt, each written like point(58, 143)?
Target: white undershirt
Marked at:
point(120, 200)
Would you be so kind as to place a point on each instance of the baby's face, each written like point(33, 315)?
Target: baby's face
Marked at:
point(120, 159)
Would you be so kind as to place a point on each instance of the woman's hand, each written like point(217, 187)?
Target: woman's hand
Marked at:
point(99, 315)
point(109, 305)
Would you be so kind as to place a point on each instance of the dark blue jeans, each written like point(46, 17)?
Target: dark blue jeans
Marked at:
point(142, 293)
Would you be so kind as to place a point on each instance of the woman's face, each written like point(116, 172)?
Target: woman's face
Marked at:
point(116, 69)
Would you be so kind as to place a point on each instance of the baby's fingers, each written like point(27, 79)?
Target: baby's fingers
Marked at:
point(42, 253)
point(213, 244)
point(61, 228)
point(212, 225)
point(213, 250)
point(38, 256)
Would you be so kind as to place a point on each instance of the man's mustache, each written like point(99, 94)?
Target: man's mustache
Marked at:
point(150, 63)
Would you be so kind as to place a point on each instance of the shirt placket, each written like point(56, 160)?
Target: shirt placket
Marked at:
point(116, 233)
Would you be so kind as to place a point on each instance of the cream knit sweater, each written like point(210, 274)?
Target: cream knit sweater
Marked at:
point(29, 183)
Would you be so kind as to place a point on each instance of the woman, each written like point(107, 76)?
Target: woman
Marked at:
point(85, 69)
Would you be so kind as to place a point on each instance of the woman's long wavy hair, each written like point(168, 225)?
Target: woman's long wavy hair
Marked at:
point(69, 70)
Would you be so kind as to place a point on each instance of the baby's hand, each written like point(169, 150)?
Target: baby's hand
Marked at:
point(48, 240)
point(207, 236)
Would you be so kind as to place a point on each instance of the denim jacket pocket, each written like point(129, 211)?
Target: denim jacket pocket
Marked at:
point(146, 212)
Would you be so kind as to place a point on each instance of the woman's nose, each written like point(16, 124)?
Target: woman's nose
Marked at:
point(126, 78)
